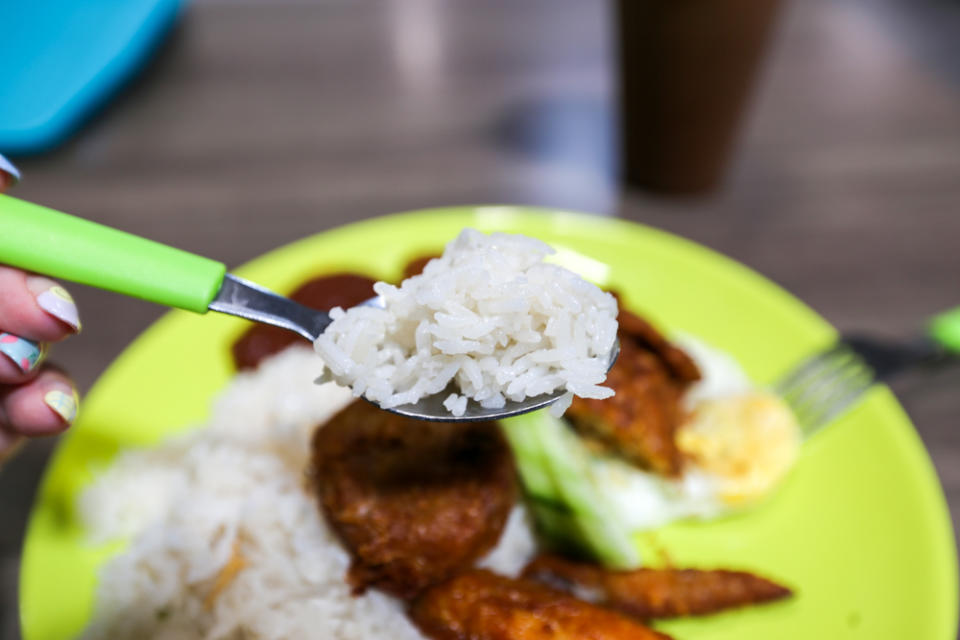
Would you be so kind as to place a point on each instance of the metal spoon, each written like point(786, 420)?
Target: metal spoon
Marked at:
point(63, 246)
point(239, 297)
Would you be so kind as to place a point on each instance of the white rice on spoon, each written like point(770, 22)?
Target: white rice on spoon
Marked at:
point(490, 316)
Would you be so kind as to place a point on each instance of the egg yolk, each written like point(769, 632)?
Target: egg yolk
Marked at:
point(747, 442)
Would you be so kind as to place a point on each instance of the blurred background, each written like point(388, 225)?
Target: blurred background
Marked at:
point(817, 141)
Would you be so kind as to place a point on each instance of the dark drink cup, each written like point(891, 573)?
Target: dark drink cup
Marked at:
point(686, 72)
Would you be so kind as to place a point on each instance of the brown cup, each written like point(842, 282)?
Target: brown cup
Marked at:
point(686, 71)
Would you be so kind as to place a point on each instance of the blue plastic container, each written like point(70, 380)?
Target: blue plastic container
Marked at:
point(63, 59)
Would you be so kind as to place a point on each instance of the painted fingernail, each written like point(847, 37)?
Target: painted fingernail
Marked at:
point(65, 403)
point(7, 167)
point(26, 354)
point(55, 300)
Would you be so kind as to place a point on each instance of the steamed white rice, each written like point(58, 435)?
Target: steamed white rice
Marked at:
point(238, 485)
point(490, 316)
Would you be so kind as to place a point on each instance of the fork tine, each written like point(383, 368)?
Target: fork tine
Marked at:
point(808, 367)
point(818, 383)
point(824, 371)
point(836, 404)
point(824, 385)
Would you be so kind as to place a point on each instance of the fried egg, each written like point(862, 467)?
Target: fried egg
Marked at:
point(746, 444)
point(739, 442)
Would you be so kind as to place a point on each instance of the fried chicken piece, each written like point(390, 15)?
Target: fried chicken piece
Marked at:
point(656, 593)
point(480, 605)
point(413, 501)
point(261, 341)
point(640, 421)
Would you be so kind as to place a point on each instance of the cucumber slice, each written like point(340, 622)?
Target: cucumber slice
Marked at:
point(531, 463)
point(569, 507)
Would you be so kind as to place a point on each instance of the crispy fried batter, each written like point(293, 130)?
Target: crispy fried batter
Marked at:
point(656, 593)
point(413, 501)
point(640, 421)
point(480, 605)
point(340, 290)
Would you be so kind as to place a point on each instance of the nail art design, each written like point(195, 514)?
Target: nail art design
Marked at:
point(58, 303)
point(64, 404)
point(26, 354)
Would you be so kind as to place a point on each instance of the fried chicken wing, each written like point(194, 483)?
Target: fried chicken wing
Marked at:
point(480, 605)
point(261, 340)
point(640, 421)
point(413, 501)
point(656, 593)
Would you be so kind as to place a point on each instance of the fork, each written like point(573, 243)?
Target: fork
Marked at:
point(826, 384)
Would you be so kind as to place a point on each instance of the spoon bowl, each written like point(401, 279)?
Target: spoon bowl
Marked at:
point(431, 407)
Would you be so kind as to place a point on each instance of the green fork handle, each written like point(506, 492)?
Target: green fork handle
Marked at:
point(945, 330)
point(45, 241)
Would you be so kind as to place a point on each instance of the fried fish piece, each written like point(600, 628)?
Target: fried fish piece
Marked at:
point(656, 593)
point(325, 292)
point(640, 421)
point(480, 605)
point(413, 501)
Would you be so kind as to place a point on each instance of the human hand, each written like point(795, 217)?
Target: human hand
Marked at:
point(35, 399)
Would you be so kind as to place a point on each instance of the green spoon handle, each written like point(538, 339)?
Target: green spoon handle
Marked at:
point(45, 241)
point(945, 330)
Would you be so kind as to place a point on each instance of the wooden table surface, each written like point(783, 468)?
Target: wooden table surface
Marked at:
point(263, 121)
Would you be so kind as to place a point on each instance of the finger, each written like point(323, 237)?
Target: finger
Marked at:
point(44, 406)
point(11, 369)
point(35, 307)
point(22, 358)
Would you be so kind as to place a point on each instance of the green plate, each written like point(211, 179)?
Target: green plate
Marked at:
point(860, 531)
